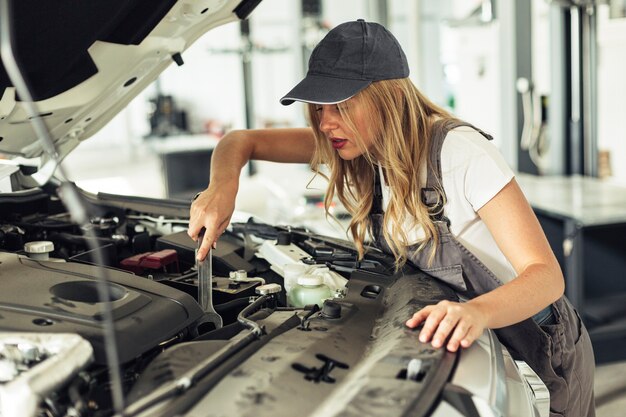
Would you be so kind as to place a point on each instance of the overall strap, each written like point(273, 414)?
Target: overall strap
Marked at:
point(377, 202)
point(432, 194)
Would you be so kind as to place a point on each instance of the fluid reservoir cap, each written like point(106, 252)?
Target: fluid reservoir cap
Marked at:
point(268, 289)
point(310, 280)
point(331, 310)
point(237, 275)
point(39, 246)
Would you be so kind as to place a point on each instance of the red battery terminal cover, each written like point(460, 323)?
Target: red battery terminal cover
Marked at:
point(150, 260)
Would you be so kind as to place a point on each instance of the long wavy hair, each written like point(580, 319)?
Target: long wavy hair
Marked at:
point(400, 123)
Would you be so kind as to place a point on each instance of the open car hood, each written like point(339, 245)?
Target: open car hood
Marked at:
point(85, 61)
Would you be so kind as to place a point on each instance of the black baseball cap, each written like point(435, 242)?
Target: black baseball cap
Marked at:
point(349, 58)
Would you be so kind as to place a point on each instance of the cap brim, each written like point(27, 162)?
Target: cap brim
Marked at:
point(319, 89)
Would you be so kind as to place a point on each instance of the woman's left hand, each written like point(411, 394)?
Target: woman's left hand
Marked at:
point(463, 322)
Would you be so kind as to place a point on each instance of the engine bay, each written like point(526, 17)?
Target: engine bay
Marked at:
point(49, 282)
point(346, 351)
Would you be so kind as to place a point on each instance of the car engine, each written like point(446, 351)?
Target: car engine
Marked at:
point(349, 354)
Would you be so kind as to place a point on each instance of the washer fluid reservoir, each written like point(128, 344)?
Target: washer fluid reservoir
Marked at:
point(310, 289)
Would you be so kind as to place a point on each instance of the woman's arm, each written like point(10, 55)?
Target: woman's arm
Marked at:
point(539, 282)
point(213, 209)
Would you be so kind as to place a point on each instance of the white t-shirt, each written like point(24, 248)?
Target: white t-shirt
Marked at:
point(473, 172)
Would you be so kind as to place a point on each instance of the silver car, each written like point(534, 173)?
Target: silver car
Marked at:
point(103, 309)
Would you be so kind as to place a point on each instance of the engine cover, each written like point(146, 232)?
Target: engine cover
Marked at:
point(62, 297)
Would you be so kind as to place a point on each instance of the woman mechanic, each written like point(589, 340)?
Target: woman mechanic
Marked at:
point(429, 189)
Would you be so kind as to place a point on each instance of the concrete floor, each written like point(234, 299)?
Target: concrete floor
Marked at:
point(137, 172)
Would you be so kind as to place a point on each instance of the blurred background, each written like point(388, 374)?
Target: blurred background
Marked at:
point(544, 77)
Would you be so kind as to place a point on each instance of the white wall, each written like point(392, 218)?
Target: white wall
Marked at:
point(416, 26)
point(541, 46)
point(612, 91)
point(277, 64)
point(472, 52)
point(470, 61)
point(336, 12)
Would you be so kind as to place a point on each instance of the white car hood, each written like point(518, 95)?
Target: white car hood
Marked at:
point(77, 99)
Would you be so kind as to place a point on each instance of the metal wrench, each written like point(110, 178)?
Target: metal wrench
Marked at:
point(205, 288)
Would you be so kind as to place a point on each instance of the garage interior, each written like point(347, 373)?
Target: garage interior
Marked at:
point(544, 77)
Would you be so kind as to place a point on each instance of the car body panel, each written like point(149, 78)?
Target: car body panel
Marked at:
point(270, 359)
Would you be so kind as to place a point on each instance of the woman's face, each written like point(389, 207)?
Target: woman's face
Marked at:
point(337, 131)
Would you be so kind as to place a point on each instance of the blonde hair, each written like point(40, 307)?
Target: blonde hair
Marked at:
point(400, 124)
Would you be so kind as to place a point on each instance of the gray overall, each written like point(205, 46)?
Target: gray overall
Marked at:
point(554, 342)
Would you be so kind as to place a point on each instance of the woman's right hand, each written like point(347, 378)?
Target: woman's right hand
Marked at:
point(214, 207)
point(211, 210)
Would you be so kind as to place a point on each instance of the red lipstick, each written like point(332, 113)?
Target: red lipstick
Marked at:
point(338, 143)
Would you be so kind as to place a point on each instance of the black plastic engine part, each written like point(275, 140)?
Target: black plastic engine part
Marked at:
point(60, 297)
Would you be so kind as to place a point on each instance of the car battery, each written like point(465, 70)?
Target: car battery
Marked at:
point(224, 289)
point(228, 256)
